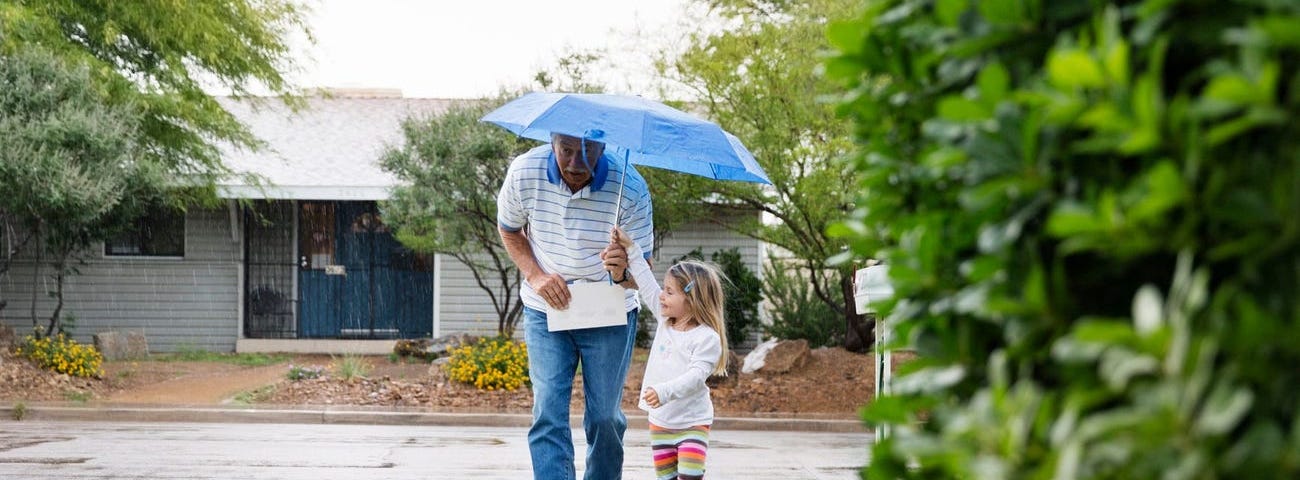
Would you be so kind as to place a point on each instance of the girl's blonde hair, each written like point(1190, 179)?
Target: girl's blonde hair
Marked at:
point(702, 285)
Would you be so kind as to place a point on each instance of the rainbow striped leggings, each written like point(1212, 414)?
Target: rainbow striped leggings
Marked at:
point(679, 453)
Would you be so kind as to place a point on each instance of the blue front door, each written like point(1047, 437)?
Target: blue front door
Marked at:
point(356, 280)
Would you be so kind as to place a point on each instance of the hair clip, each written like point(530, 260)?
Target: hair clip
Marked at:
point(688, 287)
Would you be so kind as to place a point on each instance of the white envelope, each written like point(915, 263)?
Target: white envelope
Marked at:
point(594, 304)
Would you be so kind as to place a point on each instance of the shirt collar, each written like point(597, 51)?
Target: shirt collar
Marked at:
point(598, 176)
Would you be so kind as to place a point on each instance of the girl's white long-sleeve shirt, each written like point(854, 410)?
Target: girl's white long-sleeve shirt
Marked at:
point(679, 362)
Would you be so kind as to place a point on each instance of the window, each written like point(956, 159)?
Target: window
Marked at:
point(317, 240)
point(159, 233)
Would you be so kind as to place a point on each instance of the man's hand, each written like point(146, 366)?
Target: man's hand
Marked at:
point(615, 257)
point(549, 285)
point(552, 288)
point(651, 397)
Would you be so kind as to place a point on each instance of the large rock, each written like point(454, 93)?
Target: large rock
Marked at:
point(787, 355)
point(117, 346)
point(137, 346)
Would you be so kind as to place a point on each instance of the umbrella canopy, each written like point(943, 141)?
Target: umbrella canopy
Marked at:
point(643, 132)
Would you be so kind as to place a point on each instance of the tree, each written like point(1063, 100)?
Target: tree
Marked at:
point(454, 165)
point(157, 56)
point(756, 75)
point(1091, 215)
point(70, 167)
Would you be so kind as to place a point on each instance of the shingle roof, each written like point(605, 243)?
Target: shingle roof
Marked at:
point(326, 151)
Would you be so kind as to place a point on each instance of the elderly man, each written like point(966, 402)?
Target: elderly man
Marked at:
point(554, 212)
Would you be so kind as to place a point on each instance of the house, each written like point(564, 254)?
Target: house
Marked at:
point(301, 262)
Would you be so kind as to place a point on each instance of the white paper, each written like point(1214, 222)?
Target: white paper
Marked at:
point(594, 304)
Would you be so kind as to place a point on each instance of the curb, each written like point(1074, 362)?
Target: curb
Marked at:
point(364, 416)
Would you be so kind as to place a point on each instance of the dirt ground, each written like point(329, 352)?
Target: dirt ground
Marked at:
point(833, 382)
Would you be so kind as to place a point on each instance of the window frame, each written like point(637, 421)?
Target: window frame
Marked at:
point(135, 232)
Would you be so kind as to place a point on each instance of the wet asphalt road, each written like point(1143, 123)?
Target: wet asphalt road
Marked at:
point(62, 450)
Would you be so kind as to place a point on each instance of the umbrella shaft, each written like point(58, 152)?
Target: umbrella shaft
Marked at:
point(618, 204)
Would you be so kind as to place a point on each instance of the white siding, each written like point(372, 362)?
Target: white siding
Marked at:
point(190, 302)
point(709, 237)
point(465, 308)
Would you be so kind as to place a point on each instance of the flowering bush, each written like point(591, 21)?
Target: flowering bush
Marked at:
point(63, 355)
point(490, 364)
point(303, 372)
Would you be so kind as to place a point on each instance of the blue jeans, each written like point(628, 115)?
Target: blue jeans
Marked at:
point(553, 358)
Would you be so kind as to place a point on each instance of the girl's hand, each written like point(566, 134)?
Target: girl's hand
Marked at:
point(617, 235)
point(651, 397)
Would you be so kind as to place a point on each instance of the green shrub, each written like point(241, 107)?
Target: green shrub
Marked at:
point(63, 355)
point(498, 363)
point(795, 312)
point(350, 366)
point(1091, 211)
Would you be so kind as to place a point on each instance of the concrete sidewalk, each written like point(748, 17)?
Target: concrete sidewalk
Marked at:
point(358, 415)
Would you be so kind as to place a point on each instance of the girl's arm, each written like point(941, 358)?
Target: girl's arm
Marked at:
point(641, 273)
point(704, 358)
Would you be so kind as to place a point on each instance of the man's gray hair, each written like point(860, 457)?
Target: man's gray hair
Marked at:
point(586, 142)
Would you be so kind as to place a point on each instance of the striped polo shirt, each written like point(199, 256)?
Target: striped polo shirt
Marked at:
point(568, 230)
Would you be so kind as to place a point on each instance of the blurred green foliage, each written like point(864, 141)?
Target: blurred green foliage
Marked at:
point(1092, 215)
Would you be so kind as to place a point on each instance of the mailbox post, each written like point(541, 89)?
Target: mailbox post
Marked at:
point(871, 284)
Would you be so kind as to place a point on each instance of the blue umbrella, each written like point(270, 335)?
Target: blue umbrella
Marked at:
point(643, 132)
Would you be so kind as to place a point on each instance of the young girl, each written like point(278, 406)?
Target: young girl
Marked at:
point(690, 344)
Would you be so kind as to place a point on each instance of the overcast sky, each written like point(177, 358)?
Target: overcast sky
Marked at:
point(471, 48)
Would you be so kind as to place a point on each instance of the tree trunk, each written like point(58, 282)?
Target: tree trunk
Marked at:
point(36, 281)
point(859, 334)
point(7, 232)
point(60, 270)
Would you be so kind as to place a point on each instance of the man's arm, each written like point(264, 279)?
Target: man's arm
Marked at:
point(550, 286)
